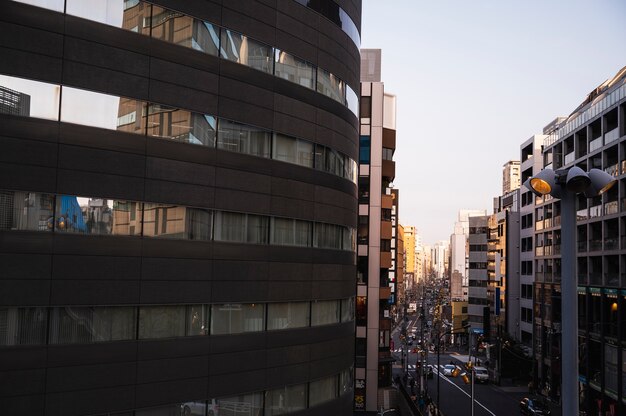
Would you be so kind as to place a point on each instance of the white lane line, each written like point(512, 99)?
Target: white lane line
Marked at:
point(463, 391)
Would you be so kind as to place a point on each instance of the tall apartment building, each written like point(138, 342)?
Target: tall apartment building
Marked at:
point(593, 136)
point(375, 259)
point(409, 245)
point(440, 258)
point(459, 253)
point(510, 176)
point(478, 300)
point(178, 207)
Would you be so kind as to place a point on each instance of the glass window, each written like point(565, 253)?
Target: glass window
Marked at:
point(110, 12)
point(323, 390)
point(305, 153)
point(285, 400)
point(181, 125)
point(285, 148)
point(177, 409)
point(175, 27)
point(352, 100)
point(230, 226)
point(26, 211)
point(197, 320)
point(245, 404)
point(330, 85)
point(324, 312)
point(161, 321)
point(345, 381)
point(246, 51)
point(286, 231)
point(347, 310)
point(320, 157)
point(56, 5)
point(350, 169)
point(83, 215)
point(23, 326)
point(303, 233)
point(327, 236)
point(80, 325)
point(23, 97)
point(258, 229)
point(242, 138)
point(236, 318)
point(294, 69)
point(288, 315)
point(173, 221)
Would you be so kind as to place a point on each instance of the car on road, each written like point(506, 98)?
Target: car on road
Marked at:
point(481, 375)
point(448, 369)
point(534, 407)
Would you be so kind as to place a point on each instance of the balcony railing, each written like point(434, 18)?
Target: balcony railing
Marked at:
point(547, 223)
point(547, 250)
point(595, 279)
point(582, 246)
point(595, 245)
point(557, 249)
point(611, 207)
point(539, 225)
point(612, 170)
point(623, 240)
point(595, 211)
point(582, 278)
point(611, 136)
point(595, 144)
point(581, 214)
point(569, 158)
point(611, 279)
point(557, 221)
point(611, 243)
point(539, 251)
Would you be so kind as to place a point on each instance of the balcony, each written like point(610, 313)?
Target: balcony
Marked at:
point(557, 221)
point(595, 144)
point(612, 170)
point(547, 223)
point(623, 239)
point(569, 158)
point(595, 211)
point(547, 251)
point(389, 169)
point(611, 279)
point(539, 251)
point(595, 245)
point(611, 136)
point(611, 243)
point(582, 246)
point(582, 279)
point(557, 249)
point(611, 208)
point(595, 279)
point(539, 225)
point(581, 214)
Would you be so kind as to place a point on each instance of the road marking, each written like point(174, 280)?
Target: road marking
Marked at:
point(463, 391)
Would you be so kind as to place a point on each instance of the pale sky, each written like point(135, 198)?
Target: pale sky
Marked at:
point(473, 80)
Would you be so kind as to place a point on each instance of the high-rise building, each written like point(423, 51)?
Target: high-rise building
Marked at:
point(409, 245)
point(593, 136)
point(478, 300)
point(510, 176)
point(440, 258)
point(178, 207)
point(375, 249)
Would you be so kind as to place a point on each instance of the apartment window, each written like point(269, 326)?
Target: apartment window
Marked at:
point(236, 318)
point(387, 153)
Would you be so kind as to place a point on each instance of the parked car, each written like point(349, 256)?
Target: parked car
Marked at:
point(448, 369)
point(481, 375)
point(534, 407)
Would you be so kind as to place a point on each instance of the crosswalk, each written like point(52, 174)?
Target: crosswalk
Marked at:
point(434, 367)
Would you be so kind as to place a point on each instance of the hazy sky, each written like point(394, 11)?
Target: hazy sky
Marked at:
point(474, 79)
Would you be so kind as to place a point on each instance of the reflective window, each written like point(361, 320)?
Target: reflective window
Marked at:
point(178, 28)
point(345, 381)
point(56, 5)
point(235, 318)
point(76, 325)
point(181, 125)
point(286, 231)
point(324, 312)
point(288, 315)
point(197, 320)
point(292, 150)
point(294, 69)
point(246, 51)
point(330, 85)
point(364, 150)
point(242, 138)
point(161, 321)
point(23, 326)
point(230, 226)
point(26, 211)
point(257, 229)
point(347, 310)
point(23, 97)
point(327, 236)
point(110, 12)
point(245, 404)
point(285, 400)
point(323, 390)
point(173, 221)
point(352, 100)
point(97, 216)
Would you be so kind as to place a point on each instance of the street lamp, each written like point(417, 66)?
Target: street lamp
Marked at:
point(566, 184)
point(449, 332)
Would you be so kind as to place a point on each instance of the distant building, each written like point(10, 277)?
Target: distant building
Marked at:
point(510, 176)
point(14, 102)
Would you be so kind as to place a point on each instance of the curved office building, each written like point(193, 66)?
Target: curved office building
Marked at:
point(178, 207)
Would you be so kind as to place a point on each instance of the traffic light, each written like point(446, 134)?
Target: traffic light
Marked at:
point(465, 378)
point(455, 372)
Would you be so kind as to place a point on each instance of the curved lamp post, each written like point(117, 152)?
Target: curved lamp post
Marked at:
point(565, 184)
point(449, 332)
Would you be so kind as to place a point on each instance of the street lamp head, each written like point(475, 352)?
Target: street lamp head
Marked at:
point(577, 180)
point(600, 183)
point(542, 183)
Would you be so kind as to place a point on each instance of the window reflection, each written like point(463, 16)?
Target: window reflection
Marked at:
point(246, 51)
point(294, 69)
point(324, 312)
point(242, 138)
point(161, 321)
point(352, 100)
point(244, 404)
point(330, 85)
point(23, 326)
point(23, 97)
point(26, 211)
point(76, 325)
point(175, 27)
point(90, 108)
point(181, 125)
point(285, 400)
point(323, 390)
point(97, 216)
point(173, 221)
point(287, 315)
point(110, 12)
point(292, 150)
point(235, 318)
